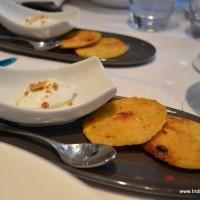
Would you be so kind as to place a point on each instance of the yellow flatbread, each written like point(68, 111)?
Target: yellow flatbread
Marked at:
point(105, 48)
point(81, 39)
point(126, 121)
point(178, 143)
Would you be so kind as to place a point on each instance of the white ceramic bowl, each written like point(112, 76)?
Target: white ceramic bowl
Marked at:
point(31, 23)
point(113, 3)
point(93, 87)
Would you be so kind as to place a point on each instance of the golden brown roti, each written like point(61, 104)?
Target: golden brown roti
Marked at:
point(125, 122)
point(107, 47)
point(81, 39)
point(178, 143)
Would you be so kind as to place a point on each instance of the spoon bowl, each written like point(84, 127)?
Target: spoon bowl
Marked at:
point(37, 24)
point(83, 155)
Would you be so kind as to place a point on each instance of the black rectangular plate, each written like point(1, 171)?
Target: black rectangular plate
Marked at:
point(139, 51)
point(133, 169)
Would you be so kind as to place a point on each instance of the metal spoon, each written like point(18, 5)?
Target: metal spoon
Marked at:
point(38, 45)
point(83, 155)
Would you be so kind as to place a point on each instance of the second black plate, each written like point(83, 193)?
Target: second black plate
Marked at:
point(139, 52)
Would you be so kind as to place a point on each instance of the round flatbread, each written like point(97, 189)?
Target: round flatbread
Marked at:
point(126, 121)
point(81, 39)
point(107, 47)
point(178, 143)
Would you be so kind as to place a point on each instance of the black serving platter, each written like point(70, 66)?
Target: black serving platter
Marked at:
point(139, 51)
point(133, 170)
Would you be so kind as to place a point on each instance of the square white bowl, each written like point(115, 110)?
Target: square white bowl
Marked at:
point(93, 87)
point(14, 17)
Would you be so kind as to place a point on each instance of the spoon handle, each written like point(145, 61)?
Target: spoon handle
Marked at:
point(14, 38)
point(5, 37)
point(17, 131)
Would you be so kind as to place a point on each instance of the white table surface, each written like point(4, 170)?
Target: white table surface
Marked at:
point(168, 79)
point(169, 76)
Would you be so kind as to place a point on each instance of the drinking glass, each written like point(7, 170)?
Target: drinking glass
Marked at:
point(150, 15)
point(196, 63)
point(194, 17)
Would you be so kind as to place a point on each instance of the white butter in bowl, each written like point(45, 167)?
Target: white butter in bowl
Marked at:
point(47, 94)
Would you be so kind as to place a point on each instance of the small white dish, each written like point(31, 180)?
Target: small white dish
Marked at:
point(37, 24)
point(25, 176)
point(93, 88)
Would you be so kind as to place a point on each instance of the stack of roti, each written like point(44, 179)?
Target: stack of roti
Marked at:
point(140, 121)
point(91, 43)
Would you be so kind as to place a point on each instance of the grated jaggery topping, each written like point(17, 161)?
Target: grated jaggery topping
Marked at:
point(43, 85)
point(45, 105)
point(55, 86)
point(40, 85)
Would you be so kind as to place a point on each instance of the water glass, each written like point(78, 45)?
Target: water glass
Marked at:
point(194, 17)
point(196, 63)
point(150, 15)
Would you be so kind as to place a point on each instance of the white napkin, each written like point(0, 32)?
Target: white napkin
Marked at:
point(56, 2)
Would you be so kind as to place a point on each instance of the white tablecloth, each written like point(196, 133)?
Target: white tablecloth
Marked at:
point(170, 78)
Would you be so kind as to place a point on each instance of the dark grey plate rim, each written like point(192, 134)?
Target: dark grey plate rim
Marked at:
point(134, 187)
point(121, 61)
point(101, 176)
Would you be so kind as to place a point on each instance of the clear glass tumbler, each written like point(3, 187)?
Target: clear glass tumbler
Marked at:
point(150, 15)
point(194, 17)
point(196, 63)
